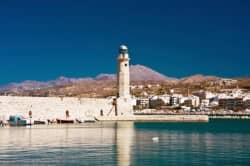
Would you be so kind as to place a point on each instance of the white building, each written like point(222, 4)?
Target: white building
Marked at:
point(246, 101)
point(193, 101)
point(165, 98)
point(205, 102)
point(210, 95)
point(227, 82)
point(237, 93)
point(159, 100)
point(175, 99)
point(142, 102)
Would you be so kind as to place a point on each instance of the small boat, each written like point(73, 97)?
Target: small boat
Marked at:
point(1, 123)
point(64, 121)
point(89, 121)
point(53, 121)
point(78, 121)
point(18, 121)
point(37, 122)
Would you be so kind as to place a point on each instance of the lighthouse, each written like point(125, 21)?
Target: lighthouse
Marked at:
point(123, 101)
point(123, 72)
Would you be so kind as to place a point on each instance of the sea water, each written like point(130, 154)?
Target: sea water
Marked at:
point(218, 142)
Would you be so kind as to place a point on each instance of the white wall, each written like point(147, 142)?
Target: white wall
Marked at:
point(53, 107)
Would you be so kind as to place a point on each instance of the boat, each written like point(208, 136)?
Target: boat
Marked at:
point(18, 121)
point(37, 122)
point(53, 121)
point(89, 120)
point(1, 123)
point(78, 121)
point(64, 121)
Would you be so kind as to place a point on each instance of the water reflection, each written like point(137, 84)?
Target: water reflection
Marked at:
point(124, 141)
point(97, 143)
point(54, 136)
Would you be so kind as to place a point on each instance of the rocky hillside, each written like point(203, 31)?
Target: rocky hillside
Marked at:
point(244, 82)
point(137, 73)
point(104, 77)
point(197, 79)
point(36, 85)
point(141, 73)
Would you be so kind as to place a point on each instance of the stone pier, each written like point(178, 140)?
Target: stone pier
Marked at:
point(157, 118)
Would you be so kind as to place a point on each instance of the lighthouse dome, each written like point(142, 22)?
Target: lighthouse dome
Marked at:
point(123, 49)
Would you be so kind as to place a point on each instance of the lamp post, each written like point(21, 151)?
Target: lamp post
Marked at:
point(30, 116)
point(67, 114)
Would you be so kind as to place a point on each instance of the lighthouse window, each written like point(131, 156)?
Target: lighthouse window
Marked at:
point(126, 64)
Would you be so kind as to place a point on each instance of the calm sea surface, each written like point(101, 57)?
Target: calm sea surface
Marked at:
point(219, 142)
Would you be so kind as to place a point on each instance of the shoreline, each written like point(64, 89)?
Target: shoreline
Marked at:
point(156, 118)
point(230, 117)
point(211, 116)
point(145, 118)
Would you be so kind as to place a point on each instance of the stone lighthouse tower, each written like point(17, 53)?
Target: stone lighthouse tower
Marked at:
point(123, 72)
point(123, 101)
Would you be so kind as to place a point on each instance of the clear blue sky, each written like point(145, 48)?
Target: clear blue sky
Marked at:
point(41, 40)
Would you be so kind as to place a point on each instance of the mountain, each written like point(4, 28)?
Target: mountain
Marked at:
point(104, 77)
point(197, 79)
point(35, 85)
point(139, 73)
point(244, 82)
point(26, 85)
point(61, 81)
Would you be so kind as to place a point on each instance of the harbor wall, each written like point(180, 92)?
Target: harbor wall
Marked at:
point(159, 118)
point(44, 108)
point(230, 117)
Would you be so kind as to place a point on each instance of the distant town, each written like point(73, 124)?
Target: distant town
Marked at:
point(222, 96)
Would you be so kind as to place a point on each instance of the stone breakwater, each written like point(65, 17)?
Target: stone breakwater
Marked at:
point(44, 108)
point(159, 118)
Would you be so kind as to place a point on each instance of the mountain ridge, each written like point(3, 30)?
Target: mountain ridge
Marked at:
point(137, 73)
point(197, 78)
